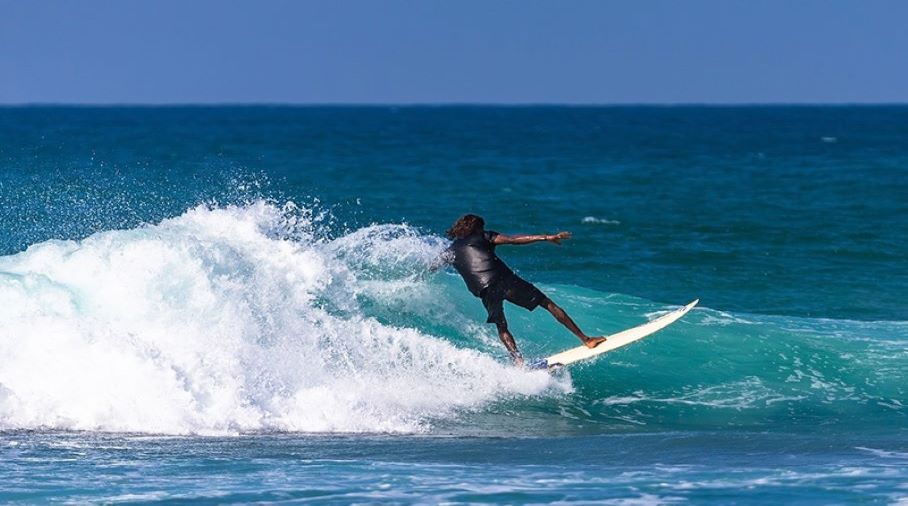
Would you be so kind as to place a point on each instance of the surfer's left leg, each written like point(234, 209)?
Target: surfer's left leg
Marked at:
point(564, 319)
point(523, 293)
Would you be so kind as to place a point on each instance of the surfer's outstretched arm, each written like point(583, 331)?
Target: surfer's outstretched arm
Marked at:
point(529, 239)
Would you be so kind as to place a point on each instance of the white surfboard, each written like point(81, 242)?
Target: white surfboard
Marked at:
point(614, 341)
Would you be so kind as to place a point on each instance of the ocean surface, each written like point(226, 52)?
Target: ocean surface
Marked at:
point(233, 304)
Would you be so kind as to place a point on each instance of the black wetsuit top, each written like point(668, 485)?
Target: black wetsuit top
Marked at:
point(474, 258)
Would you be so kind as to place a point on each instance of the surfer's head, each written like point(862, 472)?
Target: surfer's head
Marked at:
point(466, 225)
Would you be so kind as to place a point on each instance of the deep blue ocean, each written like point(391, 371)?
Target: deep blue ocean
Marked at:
point(233, 304)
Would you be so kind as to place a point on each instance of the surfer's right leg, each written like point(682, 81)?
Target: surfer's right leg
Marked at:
point(564, 319)
point(505, 335)
point(493, 300)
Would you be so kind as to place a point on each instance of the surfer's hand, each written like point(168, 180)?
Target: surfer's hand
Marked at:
point(560, 236)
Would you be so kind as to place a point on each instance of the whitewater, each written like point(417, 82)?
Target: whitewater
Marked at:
point(216, 322)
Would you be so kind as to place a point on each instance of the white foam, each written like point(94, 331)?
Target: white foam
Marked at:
point(886, 454)
point(748, 393)
point(214, 322)
point(599, 221)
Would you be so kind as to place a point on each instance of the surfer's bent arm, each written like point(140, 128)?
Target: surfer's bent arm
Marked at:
point(529, 239)
point(443, 259)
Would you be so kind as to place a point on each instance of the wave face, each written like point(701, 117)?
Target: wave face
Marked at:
point(248, 319)
point(217, 321)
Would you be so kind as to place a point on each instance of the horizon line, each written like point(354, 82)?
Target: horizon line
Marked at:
point(450, 104)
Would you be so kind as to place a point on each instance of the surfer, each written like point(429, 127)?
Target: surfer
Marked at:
point(473, 255)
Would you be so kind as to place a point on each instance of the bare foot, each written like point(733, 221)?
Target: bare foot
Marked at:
point(592, 342)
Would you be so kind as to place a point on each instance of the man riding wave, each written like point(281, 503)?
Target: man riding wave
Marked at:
point(472, 253)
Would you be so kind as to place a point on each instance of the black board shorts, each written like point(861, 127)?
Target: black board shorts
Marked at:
point(513, 289)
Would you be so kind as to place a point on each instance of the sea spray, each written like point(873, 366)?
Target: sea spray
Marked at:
point(214, 322)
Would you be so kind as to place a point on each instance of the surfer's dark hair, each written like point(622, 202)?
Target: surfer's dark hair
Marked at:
point(465, 225)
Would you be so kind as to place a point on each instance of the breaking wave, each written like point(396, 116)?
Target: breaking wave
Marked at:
point(251, 318)
point(229, 320)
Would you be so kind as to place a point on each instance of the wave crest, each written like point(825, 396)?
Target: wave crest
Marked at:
point(217, 321)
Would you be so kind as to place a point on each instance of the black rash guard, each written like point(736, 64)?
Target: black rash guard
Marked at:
point(474, 258)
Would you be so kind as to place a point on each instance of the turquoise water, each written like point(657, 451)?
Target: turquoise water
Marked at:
point(232, 304)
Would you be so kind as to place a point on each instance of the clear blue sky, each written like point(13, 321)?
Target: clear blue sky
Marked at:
point(391, 51)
